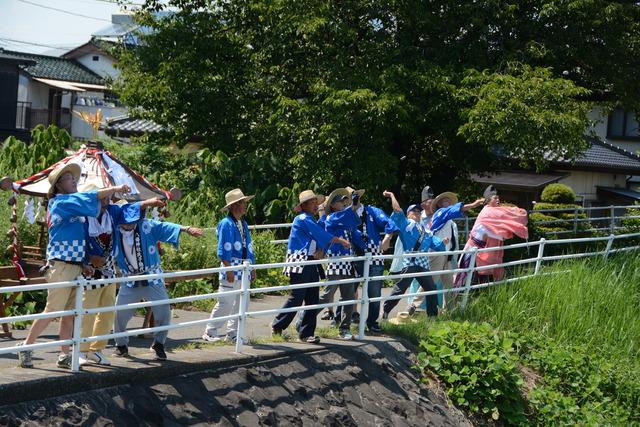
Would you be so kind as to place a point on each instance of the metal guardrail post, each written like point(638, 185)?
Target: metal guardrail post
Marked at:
point(364, 301)
point(77, 325)
point(467, 283)
point(466, 227)
point(540, 255)
point(244, 303)
point(613, 219)
point(607, 250)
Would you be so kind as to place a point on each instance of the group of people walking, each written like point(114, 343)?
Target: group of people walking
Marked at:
point(91, 236)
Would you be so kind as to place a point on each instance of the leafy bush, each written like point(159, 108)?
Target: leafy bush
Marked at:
point(524, 379)
point(558, 193)
point(478, 366)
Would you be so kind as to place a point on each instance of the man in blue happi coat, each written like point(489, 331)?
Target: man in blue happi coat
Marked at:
point(307, 241)
point(136, 244)
point(234, 247)
point(415, 238)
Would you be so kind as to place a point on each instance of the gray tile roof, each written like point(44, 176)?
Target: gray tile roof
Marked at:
point(604, 156)
point(55, 68)
point(126, 126)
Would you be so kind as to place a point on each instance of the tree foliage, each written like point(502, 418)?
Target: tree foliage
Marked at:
point(386, 93)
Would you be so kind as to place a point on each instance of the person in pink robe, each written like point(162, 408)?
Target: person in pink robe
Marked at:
point(493, 226)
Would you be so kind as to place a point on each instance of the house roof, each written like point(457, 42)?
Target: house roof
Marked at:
point(93, 45)
point(55, 68)
point(602, 156)
point(517, 179)
point(620, 192)
point(125, 126)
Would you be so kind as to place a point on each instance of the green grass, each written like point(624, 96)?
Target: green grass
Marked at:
point(595, 305)
point(573, 339)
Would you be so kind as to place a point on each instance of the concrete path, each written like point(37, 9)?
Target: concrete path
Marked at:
point(256, 327)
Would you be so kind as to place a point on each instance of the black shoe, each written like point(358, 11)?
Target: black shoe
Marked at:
point(374, 329)
point(121, 351)
point(355, 317)
point(328, 315)
point(411, 309)
point(159, 349)
point(385, 315)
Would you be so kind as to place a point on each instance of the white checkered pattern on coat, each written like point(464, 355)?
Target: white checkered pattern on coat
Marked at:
point(337, 267)
point(237, 274)
point(375, 250)
point(420, 261)
point(66, 250)
point(294, 257)
point(108, 271)
point(151, 270)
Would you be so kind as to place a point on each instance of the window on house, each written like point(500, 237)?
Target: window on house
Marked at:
point(96, 58)
point(623, 124)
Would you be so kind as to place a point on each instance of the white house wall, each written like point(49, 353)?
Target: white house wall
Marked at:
point(584, 183)
point(38, 95)
point(599, 116)
point(103, 66)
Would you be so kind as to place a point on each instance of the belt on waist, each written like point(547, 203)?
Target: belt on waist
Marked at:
point(78, 263)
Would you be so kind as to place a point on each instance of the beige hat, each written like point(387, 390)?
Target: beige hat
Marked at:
point(403, 318)
point(343, 192)
point(446, 195)
point(358, 192)
point(234, 196)
point(88, 186)
point(55, 175)
point(307, 195)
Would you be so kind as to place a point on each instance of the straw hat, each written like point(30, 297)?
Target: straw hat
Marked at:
point(234, 196)
point(342, 192)
point(55, 175)
point(358, 192)
point(446, 195)
point(307, 195)
point(403, 318)
point(88, 186)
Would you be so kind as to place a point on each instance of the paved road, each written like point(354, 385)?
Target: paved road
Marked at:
point(256, 327)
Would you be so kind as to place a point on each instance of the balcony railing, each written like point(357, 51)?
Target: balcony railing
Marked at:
point(28, 117)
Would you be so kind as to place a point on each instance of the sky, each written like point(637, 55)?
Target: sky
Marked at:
point(26, 26)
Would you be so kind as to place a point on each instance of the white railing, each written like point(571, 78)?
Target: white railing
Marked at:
point(245, 291)
point(612, 221)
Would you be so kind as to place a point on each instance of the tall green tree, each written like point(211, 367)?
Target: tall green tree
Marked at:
point(386, 93)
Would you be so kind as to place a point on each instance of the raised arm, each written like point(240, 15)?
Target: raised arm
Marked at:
point(105, 193)
point(394, 202)
point(473, 205)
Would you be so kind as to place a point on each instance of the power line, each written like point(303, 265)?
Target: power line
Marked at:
point(35, 44)
point(64, 11)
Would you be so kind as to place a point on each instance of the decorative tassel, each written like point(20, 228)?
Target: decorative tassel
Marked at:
point(29, 211)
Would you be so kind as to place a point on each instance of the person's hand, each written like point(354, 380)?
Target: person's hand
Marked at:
point(344, 243)
point(253, 275)
point(87, 270)
point(195, 231)
point(387, 193)
point(445, 240)
point(156, 202)
point(124, 188)
point(230, 276)
point(97, 261)
point(319, 254)
point(384, 245)
point(481, 201)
